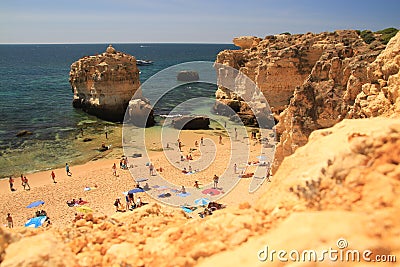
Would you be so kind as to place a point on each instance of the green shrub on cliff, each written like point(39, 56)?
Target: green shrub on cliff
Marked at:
point(387, 34)
point(383, 36)
point(367, 36)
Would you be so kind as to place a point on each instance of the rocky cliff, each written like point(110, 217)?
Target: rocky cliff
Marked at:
point(312, 81)
point(104, 84)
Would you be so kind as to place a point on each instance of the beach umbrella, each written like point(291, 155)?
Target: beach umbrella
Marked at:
point(35, 222)
point(141, 180)
point(211, 191)
point(84, 209)
point(35, 204)
point(202, 201)
point(135, 190)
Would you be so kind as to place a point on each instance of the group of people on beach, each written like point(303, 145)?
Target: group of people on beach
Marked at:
point(24, 183)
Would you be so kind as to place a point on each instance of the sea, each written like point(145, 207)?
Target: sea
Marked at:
point(35, 96)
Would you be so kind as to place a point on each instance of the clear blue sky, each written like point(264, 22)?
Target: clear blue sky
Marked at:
point(202, 21)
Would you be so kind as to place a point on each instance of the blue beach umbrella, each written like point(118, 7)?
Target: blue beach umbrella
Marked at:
point(35, 222)
point(135, 190)
point(202, 201)
point(35, 204)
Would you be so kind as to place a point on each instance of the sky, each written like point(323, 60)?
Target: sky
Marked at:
point(184, 21)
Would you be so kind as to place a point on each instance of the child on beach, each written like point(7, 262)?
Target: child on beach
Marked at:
point(114, 169)
point(196, 184)
point(53, 176)
point(118, 205)
point(67, 169)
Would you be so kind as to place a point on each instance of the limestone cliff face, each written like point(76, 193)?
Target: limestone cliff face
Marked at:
point(311, 81)
point(355, 84)
point(380, 96)
point(104, 84)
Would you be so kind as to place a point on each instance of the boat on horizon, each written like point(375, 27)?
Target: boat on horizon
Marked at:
point(141, 62)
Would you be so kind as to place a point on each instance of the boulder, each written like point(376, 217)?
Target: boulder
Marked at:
point(140, 113)
point(187, 76)
point(245, 42)
point(191, 123)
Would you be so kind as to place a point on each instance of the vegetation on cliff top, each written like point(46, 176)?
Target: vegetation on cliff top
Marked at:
point(382, 36)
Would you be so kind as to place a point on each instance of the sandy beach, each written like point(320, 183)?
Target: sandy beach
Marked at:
point(98, 172)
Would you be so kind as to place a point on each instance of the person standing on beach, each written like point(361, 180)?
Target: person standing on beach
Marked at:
point(69, 173)
point(220, 139)
point(11, 181)
point(22, 181)
point(53, 176)
point(180, 146)
point(151, 168)
point(114, 169)
point(202, 141)
point(10, 222)
point(26, 183)
point(236, 135)
point(215, 179)
point(235, 168)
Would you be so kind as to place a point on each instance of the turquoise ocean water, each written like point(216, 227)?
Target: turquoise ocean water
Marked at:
point(35, 95)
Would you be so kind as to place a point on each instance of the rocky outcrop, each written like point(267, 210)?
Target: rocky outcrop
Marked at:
point(104, 84)
point(140, 113)
point(191, 123)
point(187, 76)
point(246, 42)
point(311, 81)
point(381, 95)
point(336, 90)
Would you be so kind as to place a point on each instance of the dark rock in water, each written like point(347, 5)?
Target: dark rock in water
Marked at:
point(187, 76)
point(23, 133)
point(87, 139)
point(191, 123)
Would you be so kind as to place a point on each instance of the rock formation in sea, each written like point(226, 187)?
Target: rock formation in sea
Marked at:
point(104, 84)
point(313, 81)
point(187, 76)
